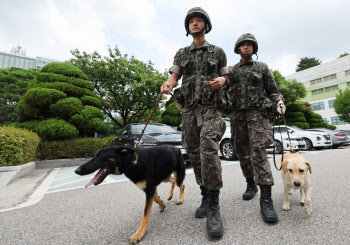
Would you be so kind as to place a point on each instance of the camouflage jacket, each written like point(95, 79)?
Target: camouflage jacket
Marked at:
point(198, 65)
point(249, 84)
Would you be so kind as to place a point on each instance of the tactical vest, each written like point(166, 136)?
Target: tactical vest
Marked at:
point(194, 77)
point(250, 95)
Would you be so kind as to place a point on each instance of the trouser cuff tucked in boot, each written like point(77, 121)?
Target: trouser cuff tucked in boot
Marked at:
point(251, 190)
point(201, 211)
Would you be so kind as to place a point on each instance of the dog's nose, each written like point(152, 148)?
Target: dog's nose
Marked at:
point(78, 171)
point(297, 183)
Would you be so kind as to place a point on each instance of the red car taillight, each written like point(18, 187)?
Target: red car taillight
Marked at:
point(339, 134)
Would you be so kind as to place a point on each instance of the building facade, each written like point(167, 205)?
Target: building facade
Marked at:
point(17, 58)
point(322, 83)
point(8, 60)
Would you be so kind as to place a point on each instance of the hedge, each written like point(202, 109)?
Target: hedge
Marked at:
point(64, 68)
point(17, 146)
point(51, 77)
point(70, 89)
point(74, 148)
point(66, 108)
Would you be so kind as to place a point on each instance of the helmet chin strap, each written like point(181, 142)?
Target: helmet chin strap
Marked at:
point(195, 34)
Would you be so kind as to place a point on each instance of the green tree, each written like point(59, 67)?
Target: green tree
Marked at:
point(290, 90)
point(13, 85)
point(60, 104)
point(171, 115)
point(342, 105)
point(307, 62)
point(342, 55)
point(130, 88)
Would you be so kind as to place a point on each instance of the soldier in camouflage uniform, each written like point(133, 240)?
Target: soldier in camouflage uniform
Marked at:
point(203, 127)
point(249, 84)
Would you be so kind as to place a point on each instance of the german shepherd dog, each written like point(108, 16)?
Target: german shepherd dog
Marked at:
point(146, 167)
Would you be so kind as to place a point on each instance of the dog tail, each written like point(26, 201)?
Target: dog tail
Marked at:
point(180, 169)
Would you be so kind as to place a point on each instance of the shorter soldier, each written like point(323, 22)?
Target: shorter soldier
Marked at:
point(249, 82)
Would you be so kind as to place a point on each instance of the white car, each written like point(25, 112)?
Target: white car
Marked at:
point(228, 152)
point(317, 140)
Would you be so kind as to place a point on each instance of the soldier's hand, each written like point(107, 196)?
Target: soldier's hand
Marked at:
point(281, 108)
point(166, 88)
point(217, 83)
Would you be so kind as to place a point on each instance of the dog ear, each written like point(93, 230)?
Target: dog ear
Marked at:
point(308, 164)
point(126, 149)
point(284, 166)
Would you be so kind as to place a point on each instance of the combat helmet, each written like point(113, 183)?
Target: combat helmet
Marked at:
point(246, 37)
point(200, 12)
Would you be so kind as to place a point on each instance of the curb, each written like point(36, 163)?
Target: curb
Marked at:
point(9, 174)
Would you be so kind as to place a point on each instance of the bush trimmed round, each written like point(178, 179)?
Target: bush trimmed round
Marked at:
point(66, 107)
point(64, 68)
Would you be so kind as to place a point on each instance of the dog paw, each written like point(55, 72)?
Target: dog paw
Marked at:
point(302, 203)
point(179, 202)
point(308, 210)
point(286, 207)
point(290, 192)
point(135, 238)
point(169, 197)
point(161, 209)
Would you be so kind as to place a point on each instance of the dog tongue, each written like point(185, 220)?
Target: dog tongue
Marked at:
point(95, 178)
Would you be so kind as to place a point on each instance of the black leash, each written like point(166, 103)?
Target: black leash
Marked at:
point(290, 142)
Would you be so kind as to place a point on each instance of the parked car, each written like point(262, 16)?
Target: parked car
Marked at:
point(155, 134)
point(338, 138)
point(347, 136)
point(282, 140)
point(228, 152)
point(317, 140)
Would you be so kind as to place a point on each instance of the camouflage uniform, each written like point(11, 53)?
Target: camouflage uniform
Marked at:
point(249, 83)
point(202, 129)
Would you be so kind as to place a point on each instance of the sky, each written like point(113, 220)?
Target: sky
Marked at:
point(153, 30)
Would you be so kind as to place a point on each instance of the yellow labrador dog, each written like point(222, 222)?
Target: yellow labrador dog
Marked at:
point(296, 175)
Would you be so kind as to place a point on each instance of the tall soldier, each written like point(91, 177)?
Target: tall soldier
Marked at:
point(203, 127)
point(249, 84)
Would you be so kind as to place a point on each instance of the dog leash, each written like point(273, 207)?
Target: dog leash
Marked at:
point(290, 142)
point(197, 101)
point(143, 130)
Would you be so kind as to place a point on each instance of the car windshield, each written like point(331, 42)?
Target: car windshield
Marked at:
point(153, 129)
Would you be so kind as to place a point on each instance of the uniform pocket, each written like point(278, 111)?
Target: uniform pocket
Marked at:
point(212, 65)
point(186, 66)
point(253, 96)
point(207, 95)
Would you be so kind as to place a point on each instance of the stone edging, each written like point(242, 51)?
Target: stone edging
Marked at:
point(9, 174)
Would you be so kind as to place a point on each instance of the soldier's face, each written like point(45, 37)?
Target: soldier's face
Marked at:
point(196, 24)
point(246, 48)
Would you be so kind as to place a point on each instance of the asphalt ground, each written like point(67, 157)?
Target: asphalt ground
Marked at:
point(110, 213)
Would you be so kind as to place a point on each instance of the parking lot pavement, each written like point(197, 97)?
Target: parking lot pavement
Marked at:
point(111, 213)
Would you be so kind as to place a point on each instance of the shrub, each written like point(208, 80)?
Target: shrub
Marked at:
point(69, 89)
point(64, 68)
point(295, 107)
point(299, 119)
point(297, 114)
point(316, 115)
point(51, 78)
point(93, 101)
point(17, 146)
point(43, 96)
point(301, 125)
point(51, 128)
point(66, 107)
point(73, 148)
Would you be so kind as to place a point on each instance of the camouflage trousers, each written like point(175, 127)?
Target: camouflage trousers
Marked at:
point(251, 134)
point(201, 143)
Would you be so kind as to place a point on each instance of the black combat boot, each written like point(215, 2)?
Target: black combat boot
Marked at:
point(215, 228)
point(267, 210)
point(252, 189)
point(201, 211)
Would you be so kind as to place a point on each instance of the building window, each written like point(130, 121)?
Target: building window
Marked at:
point(317, 91)
point(334, 76)
point(337, 121)
point(318, 106)
point(331, 104)
point(347, 73)
point(331, 88)
point(324, 119)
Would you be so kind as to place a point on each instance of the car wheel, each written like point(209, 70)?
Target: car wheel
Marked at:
point(308, 144)
point(278, 146)
point(227, 151)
